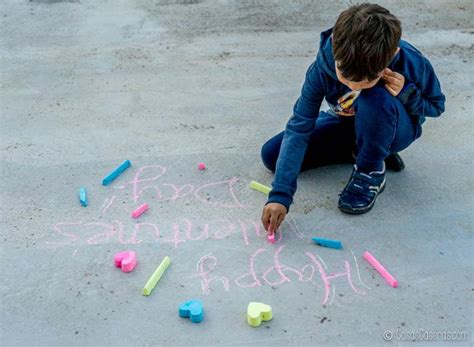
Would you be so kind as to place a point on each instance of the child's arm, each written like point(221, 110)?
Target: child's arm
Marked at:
point(295, 139)
point(425, 98)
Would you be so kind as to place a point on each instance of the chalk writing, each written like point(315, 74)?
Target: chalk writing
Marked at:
point(265, 266)
point(206, 272)
point(173, 233)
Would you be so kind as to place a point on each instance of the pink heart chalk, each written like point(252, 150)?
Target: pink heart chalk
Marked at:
point(127, 260)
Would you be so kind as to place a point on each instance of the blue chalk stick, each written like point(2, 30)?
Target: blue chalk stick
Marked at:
point(114, 174)
point(83, 196)
point(192, 309)
point(327, 243)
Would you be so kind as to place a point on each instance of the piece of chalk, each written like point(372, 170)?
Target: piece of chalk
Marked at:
point(193, 310)
point(156, 276)
point(83, 196)
point(260, 187)
point(385, 274)
point(127, 260)
point(202, 166)
point(114, 174)
point(271, 238)
point(327, 243)
point(258, 312)
point(140, 210)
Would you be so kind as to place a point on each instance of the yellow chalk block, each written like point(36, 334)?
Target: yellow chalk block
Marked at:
point(260, 187)
point(156, 276)
point(258, 312)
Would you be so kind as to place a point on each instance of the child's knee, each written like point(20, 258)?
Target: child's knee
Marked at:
point(377, 102)
point(376, 97)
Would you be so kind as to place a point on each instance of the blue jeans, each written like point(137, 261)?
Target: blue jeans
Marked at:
point(380, 127)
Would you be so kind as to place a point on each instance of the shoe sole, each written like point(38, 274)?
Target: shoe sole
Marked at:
point(361, 210)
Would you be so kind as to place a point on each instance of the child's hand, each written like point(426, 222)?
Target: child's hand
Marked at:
point(394, 81)
point(273, 215)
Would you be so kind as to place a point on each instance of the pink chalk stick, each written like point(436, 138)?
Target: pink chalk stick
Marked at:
point(271, 238)
point(127, 260)
point(139, 211)
point(202, 166)
point(385, 274)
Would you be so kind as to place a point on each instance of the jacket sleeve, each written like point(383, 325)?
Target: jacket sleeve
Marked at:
point(425, 98)
point(296, 136)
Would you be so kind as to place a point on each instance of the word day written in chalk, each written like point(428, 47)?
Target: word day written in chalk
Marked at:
point(151, 181)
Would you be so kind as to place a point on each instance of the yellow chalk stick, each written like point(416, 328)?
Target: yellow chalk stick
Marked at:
point(156, 276)
point(260, 187)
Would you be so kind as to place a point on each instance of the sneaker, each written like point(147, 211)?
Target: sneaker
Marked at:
point(361, 191)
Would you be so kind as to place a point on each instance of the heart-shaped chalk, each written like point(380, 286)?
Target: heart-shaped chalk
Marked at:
point(258, 312)
point(192, 309)
point(127, 260)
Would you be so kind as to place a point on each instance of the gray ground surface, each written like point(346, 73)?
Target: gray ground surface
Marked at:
point(168, 84)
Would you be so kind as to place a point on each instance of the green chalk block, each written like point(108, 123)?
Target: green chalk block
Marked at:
point(156, 276)
point(260, 187)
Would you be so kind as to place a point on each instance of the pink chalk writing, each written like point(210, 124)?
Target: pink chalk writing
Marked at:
point(255, 281)
point(326, 279)
point(107, 203)
point(172, 233)
point(137, 180)
point(204, 266)
point(149, 178)
point(264, 266)
point(280, 269)
point(206, 269)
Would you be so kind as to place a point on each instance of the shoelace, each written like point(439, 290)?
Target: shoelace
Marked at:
point(361, 183)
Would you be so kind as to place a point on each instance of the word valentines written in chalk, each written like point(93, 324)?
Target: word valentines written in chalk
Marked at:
point(173, 233)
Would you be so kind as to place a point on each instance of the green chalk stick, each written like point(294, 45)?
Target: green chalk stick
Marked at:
point(156, 276)
point(260, 187)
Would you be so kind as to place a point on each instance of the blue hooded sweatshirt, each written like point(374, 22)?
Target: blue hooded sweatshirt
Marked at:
point(421, 97)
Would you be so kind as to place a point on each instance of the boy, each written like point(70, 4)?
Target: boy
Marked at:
point(379, 89)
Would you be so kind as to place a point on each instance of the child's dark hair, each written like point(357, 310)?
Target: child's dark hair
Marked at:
point(365, 38)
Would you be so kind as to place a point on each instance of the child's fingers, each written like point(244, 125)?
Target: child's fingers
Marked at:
point(387, 71)
point(281, 218)
point(273, 223)
point(265, 218)
point(390, 90)
point(390, 79)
